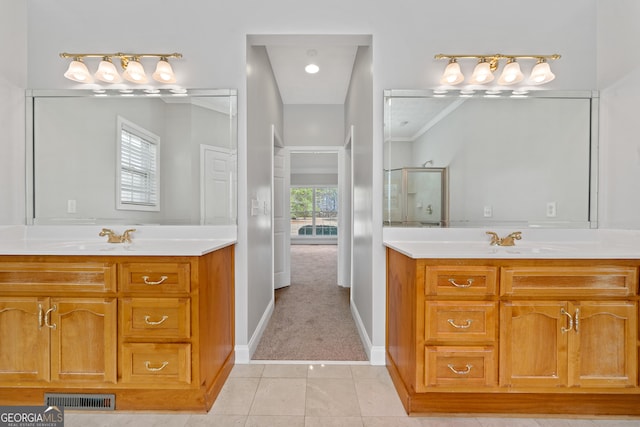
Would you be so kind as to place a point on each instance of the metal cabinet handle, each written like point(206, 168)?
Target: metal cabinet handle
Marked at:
point(465, 326)
point(467, 371)
point(159, 282)
point(461, 285)
point(563, 329)
point(40, 316)
point(147, 320)
point(577, 319)
point(147, 365)
point(47, 317)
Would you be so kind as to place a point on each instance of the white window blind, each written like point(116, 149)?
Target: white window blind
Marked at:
point(138, 174)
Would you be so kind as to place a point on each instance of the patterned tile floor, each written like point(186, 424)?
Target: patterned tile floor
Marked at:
point(303, 395)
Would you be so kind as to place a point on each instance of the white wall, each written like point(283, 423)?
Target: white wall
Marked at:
point(313, 125)
point(212, 37)
point(13, 82)
point(619, 83)
point(359, 114)
point(264, 109)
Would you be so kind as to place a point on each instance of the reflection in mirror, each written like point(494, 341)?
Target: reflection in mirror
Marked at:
point(526, 160)
point(416, 197)
point(140, 158)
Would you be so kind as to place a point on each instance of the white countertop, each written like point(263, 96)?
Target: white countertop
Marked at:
point(84, 240)
point(535, 243)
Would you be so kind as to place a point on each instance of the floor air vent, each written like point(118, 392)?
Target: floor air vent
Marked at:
point(81, 401)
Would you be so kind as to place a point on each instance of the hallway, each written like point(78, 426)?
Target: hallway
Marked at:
point(312, 319)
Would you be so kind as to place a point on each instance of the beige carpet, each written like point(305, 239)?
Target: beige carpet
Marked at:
point(312, 319)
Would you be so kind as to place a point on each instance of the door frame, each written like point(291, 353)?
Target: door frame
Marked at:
point(345, 216)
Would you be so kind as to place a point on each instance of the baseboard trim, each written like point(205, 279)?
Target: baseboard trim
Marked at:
point(376, 354)
point(242, 355)
point(249, 349)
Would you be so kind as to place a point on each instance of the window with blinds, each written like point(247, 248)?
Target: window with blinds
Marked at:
point(138, 171)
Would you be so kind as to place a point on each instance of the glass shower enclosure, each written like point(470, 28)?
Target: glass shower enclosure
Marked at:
point(416, 197)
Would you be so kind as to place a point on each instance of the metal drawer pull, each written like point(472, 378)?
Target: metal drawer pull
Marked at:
point(457, 372)
point(147, 320)
point(465, 326)
point(563, 329)
point(147, 365)
point(159, 282)
point(577, 317)
point(47, 317)
point(458, 285)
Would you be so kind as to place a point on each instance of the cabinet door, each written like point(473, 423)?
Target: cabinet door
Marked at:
point(603, 344)
point(83, 339)
point(533, 343)
point(24, 351)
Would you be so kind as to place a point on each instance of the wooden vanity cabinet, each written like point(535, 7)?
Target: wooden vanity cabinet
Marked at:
point(513, 335)
point(157, 332)
point(50, 332)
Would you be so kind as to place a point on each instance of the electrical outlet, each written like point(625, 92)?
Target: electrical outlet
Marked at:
point(71, 206)
point(551, 209)
point(488, 211)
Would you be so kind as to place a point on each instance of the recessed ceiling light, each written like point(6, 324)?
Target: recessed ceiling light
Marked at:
point(312, 68)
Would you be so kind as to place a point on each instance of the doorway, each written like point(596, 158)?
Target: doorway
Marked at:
point(312, 318)
point(309, 125)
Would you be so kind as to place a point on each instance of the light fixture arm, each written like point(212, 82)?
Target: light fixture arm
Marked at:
point(497, 56)
point(121, 55)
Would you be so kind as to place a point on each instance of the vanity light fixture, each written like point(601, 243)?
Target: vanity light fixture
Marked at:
point(488, 64)
point(130, 63)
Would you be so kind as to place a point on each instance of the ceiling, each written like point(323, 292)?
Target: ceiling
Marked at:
point(328, 86)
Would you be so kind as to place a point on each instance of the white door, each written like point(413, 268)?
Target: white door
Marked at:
point(216, 185)
point(281, 219)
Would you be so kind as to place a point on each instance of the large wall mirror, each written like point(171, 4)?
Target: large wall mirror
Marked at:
point(490, 158)
point(137, 157)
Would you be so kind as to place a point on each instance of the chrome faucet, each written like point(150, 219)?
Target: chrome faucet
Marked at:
point(112, 237)
point(505, 241)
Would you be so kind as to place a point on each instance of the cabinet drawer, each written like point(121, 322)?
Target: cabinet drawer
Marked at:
point(461, 281)
point(460, 366)
point(460, 321)
point(155, 318)
point(52, 277)
point(569, 282)
point(158, 278)
point(156, 363)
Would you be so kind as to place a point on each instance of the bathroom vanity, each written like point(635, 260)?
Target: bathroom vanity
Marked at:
point(129, 326)
point(541, 327)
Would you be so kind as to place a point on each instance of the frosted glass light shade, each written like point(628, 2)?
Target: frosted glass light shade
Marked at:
point(452, 74)
point(78, 72)
point(164, 72)
point(511, 74)
point(541, 73)
point(135, 72)
point(481, 74)
point(107, 72)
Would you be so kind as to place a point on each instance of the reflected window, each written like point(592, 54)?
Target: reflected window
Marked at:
point(314, 211)
point(138, 168)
